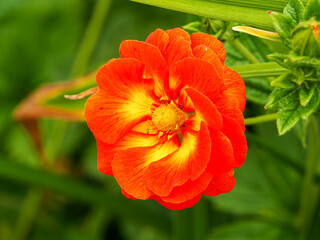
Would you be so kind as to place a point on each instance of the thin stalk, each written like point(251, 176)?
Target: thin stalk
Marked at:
point(191, 223)
point(183, 224)
point(86, 48)
point(259, 70)
point(244, 51)
point(310, 191)
point(90, 37)
point(260, 119)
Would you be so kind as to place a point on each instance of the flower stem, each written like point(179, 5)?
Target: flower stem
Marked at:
point(244, 51)
point(260, 119)
point(310, 190)
point(90, 37)
point(191, 223)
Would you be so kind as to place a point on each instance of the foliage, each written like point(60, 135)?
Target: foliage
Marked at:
point(55, 191)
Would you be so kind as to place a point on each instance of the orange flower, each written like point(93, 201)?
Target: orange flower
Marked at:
point(168, 118)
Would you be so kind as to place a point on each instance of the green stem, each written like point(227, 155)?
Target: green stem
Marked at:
point(27, 215)
point(310, 191)
point(260, 119)
point(244, 51)
point(259, 70)
point(91, 37)
point(191, 223)
point(183, 228)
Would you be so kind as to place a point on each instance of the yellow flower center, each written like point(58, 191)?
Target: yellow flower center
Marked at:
point(168, 117)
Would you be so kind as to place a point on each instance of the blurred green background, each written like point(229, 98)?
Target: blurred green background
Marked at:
point(44, 42)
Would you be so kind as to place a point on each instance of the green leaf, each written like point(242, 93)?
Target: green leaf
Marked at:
point(301, 130)
point(305, 94)
point(259, 70)
point(313, 10)
point(287, 118)
point(311, 106)
point(295, 10)
point(282, 98)
point(231, 11)
point(283, 25)
point(193, 26)
point(284, 81)
point(291, 111)
point(86, 193)
point(304, 41)
point(282, 59)
point(258, 90)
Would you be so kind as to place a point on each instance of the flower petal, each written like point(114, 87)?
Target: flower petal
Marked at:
point(205, 109)
point(154, 62)
point(234, 133)
point(189, 189)
point(124, 99)
point(160, 39)
point(178, 32)
point(210, 41)
point(222, 157)
point(179, 206)
point(129, 166)
point(189, 161)
point(234, 86)
point(198, 74)
point(221, 184)
point(132, 139)
point(205, 53)
point(178, 49)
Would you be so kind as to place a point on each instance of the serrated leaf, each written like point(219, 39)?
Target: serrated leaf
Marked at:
point(287, 118)
point(258, 90)
point(304, 41)
point(282, 59)
point(295, 10)
point(312, 105)
point(282, 98)
point(283, 25)
point(284, 81)
point(313, 10)
point(305, 95)
point(289, 115)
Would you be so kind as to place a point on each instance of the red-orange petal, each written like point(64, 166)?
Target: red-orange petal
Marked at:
point(179, 206)
point(210, 41)
point(150, 56)
point(177, 50)
point(189, 189)
point(123, 100)
point(234, 86)
point(222, 157)
point(205, 109)
point(128, 166)
point(178, 32)
point(160, 39)
point(221, 184)
point(205, 53)
point(198, 74)
point(132, 139)
point(188, 162)
point(234, 133)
